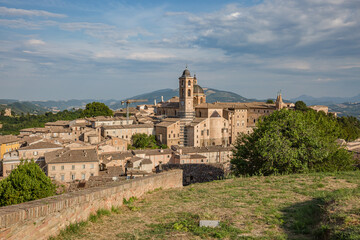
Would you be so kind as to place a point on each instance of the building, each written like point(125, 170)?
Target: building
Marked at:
point(126, 131)
point(35, 152)
point(109, 121)
point(189, 121)
point(68, 165)
point(8, 143)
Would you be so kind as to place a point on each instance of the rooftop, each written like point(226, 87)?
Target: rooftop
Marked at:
point(71, 156)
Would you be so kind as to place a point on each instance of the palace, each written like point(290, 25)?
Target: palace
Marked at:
point(189, 121)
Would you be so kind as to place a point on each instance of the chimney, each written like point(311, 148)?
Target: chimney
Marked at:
point(162, 98)
point(154, 101)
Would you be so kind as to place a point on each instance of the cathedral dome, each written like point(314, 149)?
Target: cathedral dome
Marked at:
point(198, 89)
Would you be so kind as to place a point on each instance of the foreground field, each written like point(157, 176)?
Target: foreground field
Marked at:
point(324, 206)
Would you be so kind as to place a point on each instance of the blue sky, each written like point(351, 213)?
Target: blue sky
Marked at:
point(57, 49)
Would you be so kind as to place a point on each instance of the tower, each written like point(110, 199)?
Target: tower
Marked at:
point(186, 95)
point(279, 102)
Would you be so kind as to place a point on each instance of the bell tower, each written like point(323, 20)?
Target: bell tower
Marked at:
point(186, 95)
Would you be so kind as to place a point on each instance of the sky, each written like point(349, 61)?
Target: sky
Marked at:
point(65, 49)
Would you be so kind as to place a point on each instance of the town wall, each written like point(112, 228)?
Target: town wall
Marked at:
point(45, 217)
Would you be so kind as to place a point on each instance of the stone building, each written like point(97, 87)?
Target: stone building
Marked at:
point(109, 121)
point(34, 152)
point(67, 165)
point(126, 131)
point(8, 143)
point(202, 124)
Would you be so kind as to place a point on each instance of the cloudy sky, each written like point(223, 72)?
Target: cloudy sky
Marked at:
point(65, 49)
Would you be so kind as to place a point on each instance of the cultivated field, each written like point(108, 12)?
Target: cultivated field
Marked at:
point(326, 205)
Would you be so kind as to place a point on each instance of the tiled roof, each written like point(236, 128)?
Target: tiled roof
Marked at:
point(41, 145)
point(8, 139)
point(71, 156)
point(147, 125)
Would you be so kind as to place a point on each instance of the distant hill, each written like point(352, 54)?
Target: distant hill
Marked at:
point(213, 95)
point(22, 107)
point(309, 100)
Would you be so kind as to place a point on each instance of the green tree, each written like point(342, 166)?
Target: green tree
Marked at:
point(291, 142)
point(26, 183)
point(269, 101)
point(301, 106)
point(350, 126)
point(142, 140)
point(97, 109)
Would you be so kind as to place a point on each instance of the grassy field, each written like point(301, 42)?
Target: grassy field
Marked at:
point(306, 206)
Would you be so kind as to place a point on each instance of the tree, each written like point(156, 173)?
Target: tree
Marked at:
point(26, 183)
point(291, 142)
point(270, 101)
point(350, 126)
point(97, 109)
point(301, 106)
point(142, 140)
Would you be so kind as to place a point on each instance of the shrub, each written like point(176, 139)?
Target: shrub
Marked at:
point(26, 183)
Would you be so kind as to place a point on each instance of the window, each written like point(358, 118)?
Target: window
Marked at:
point(83, 176)
point(35, 153)
point(202, 133)
point(53, 168)
point(72, 176)
point(92, 166)
point(62, 177)
point(208, 132)
point(73, 167)
point(189, 93)
point(62, 167)
point(189, 83)
point(83, 166)
point(91, 174)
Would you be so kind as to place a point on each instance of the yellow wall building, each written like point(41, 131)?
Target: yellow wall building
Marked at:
point(8, 143)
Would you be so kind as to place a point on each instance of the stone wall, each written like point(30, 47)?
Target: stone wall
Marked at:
point(45, 217)
point(197, 173)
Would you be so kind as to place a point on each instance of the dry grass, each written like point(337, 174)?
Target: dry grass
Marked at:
point(276, 207)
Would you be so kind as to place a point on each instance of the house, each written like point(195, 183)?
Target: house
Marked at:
point(8, 143)
point(35, 151)
point(67, 165)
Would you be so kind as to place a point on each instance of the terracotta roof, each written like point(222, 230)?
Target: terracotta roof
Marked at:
point(43, 130)
point(215, 114)
point(58, 123)
point(115, 156)
point(241, 105)
point(146, 161)
point(41, 145)
point(186, 150)
point(8, 139)
point(197, 156)
point(167, 123)
point(147, 125)
point(135, 159)
point(107, 118)
point(71, 156)
point(153, 151)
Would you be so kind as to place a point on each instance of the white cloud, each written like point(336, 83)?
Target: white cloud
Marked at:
point(35, 42)
point(28, 13)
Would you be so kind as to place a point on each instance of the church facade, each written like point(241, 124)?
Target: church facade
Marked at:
point(188, 120)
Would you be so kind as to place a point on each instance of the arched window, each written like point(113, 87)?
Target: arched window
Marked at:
point(183, 93)
point(182, 83)
point(201, 100)
point(189, 93)
point(189, 83)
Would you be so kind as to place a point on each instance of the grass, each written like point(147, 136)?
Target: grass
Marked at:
point(301, 206)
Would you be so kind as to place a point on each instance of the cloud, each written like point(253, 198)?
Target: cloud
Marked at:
point(279, 27)
point(4, 11)
point(35, 42)
point(326, 80)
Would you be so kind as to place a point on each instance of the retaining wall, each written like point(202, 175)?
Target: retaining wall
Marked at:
point(45, 217)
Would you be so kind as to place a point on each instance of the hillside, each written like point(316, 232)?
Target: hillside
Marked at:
point(302, 206)
point(309, 100)
point(213, 95)
point(22, 107)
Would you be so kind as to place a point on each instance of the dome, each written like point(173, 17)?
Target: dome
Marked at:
point(198, 89)
point(186, 73)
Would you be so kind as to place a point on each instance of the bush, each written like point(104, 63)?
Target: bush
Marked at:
point(291, 142)
point(26, 183)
